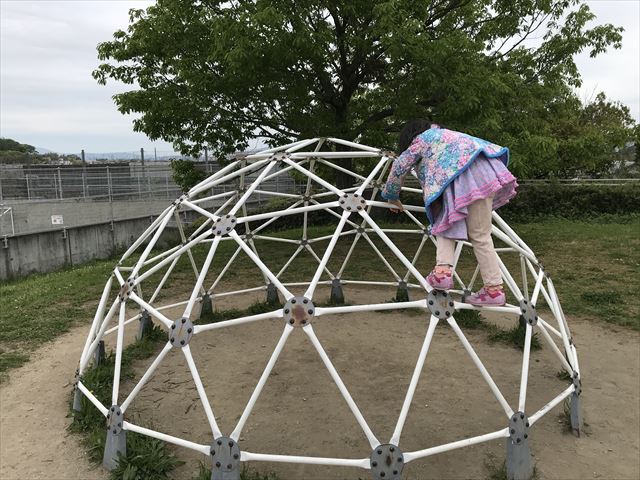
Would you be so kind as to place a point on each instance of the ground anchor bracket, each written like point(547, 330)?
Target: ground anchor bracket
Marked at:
point(577, 424)
point(144, 324)
point(519, 464)
point(225, 459)
point(387, 462)
point(440, 304)
point(116, 443)
point(337, 295)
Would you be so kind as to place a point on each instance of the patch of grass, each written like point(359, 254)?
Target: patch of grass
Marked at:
point(204, 473)
point(470, 320)
point(565, 416)
point(513, 336)
point(146, 457)
point(11, 360)
point(564, 376)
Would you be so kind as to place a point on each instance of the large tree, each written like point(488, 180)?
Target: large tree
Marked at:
point(218, 73)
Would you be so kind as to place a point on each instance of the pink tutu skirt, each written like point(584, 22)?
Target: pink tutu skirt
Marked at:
point(485, 177)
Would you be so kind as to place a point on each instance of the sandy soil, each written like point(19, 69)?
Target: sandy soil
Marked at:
point(302, 412)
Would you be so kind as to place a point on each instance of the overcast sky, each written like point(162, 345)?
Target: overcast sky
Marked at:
point(49, 99)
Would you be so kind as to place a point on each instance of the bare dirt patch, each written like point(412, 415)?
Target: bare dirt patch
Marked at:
point(301, 411)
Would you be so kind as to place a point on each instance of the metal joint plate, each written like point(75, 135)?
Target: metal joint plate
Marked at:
point(518, 428)
point(225, 456)
point(529, 313)
point(299, 311)
point(181, 332)
point(280, 156)
point(352, 202)
point(224, 225)
point(115, 417)
point(126, 289)
point(387, 462)
point(440, 304)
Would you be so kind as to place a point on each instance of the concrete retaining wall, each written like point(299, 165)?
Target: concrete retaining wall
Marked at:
point(45, 251)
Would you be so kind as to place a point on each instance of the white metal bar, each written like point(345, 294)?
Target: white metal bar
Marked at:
point(206, 183)
point(373, 441)
point(485, 374)
point(382, 257)
point(554, 347)
point(263, 268)
point(98, 316)
point(200, 210)
point(410, 208)
point(118, 363)
point(236, 292)
point(509, 279)
point(164, 279)
point(184, 240)
point(152, 310)
point(565, 338)
point(536, 288)
point(237, 321)
point(277, 194)
point(352, 154)
point(186, 350)
point(288, 211)
point(286, 265)
point(235, 435)
point(213, 197)
point(549, 327)
point(317, 259)
point(354, 145)
point(303, 144)
point(254, 185)
point(273, 150)
point(423, 240)
point(170, 258)
point(145, 234)
point(410, 456)
point(224, 270)
point(276, 239)
point(369, 307)
point(371, 175)
point(154, 258)
point(127, 322)
point(504, 309)
point(203, 273)
point(509, 241)
point(341, 462)
point(524, 377)
point(204, 449)
point(509, 231)
point(327, 254)
point(341, 169)
point(313, 176)
point(103, 410)
point(413, 384)
point(253, 166)
point(145, 378)
point(151, 243)
point(103, 326)
point(349, 253)
point(540, 413)
point(396, 251)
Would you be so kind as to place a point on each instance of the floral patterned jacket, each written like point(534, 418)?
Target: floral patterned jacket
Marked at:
point(438, 156)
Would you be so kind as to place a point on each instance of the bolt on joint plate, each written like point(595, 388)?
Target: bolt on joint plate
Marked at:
point(299, 311)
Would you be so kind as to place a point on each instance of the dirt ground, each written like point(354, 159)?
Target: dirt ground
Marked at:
point(302, 412)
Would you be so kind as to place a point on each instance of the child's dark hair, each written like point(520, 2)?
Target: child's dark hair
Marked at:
point(411, 130)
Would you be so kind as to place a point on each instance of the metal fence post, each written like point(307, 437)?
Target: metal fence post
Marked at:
point(109, 182)
point(60, 183)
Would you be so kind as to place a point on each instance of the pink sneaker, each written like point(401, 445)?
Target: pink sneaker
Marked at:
point(482, 297)
point(440, 281)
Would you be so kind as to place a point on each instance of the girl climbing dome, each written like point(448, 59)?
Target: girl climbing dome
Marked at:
point(463, 180)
